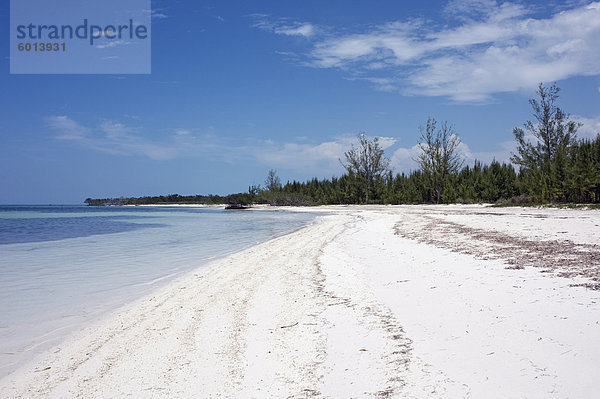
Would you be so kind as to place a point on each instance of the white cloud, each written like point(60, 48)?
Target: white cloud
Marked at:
point(113, 43)
point(283, 26)
point(386, 142)
point(68, 128)
point(322, 159)
point(469, 8)
point(307, 159)
point(110, 137)
point(156, 13)
point(304, 29)
point(404, 159)
point(117, 138)
point(311, 158)
point(182, 132)
point(590, 127)
point(501, 154)
point(495, 47)
point(319, 159)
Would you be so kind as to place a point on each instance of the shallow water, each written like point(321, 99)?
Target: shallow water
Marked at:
point(61, 266)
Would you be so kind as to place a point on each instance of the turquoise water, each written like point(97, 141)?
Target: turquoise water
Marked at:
point(61, 266)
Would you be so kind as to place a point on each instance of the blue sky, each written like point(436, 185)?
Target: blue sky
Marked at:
point(240, 87)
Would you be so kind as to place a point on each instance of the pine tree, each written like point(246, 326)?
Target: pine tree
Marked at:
point(544, 157)
point(439, 156)
point(367, 162)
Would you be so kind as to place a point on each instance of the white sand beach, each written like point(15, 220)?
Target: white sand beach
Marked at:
point(381, 301)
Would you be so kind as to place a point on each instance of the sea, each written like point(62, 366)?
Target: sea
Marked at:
point(64, 266)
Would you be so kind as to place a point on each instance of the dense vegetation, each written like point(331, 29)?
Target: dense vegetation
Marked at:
point(493, 183)
point(554, 167)
point(241, 198)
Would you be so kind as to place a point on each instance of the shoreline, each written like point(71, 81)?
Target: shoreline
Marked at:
point(362, 302)
point(106, 276)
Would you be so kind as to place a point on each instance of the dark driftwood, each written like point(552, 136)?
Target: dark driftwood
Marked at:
point(236, 206)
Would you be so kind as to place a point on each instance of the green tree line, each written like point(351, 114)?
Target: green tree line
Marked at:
point(553, 167)
point(490, 183)
point(239, 198)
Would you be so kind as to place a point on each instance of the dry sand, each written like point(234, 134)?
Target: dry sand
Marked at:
point(407, 302)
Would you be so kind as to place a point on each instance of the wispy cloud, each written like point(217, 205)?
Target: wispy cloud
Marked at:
point(110, 137)
point(299, 156)
point(159, 15)
point(489, 47)
point(67, 128)
point(283, 26)
point(156, 13)
point(114, 43)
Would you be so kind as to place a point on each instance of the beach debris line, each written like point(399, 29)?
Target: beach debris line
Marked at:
point(562, 258)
